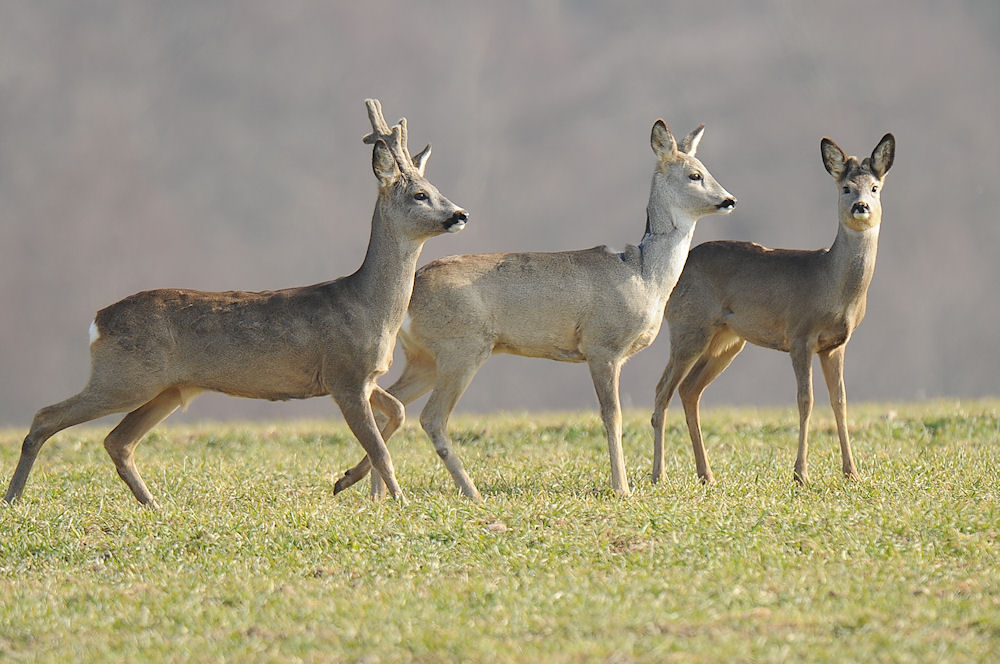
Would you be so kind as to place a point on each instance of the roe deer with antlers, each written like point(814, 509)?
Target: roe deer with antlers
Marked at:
point(154, 351)
point(596, 306)
point(800, 302)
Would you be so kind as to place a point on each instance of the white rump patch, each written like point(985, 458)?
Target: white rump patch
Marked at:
point(95, 334)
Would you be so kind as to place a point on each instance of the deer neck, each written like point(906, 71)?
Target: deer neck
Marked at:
point(664, 246)
point(852, 256)
point(384, 282)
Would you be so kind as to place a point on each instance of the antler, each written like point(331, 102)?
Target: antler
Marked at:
point(395, 139)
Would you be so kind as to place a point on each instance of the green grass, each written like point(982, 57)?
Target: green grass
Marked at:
point(251, 558)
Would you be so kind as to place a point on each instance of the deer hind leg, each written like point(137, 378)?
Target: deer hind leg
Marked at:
point(802, 365)
point(684, 352)
point(416, 380)
point(605, 374)
point(123, 439)
point(357, 411)
point(453, 377)
point(717, 357)
point(88, 405)
point(832, 362)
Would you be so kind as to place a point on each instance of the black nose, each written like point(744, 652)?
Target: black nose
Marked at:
point(727, 204)
point(455, 219)
point(859, 207)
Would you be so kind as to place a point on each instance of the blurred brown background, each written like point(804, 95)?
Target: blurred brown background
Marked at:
point(217, 146)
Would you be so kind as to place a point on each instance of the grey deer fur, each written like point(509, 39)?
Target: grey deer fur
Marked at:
point(597, 306)
point(154, 351)
point(799, 302)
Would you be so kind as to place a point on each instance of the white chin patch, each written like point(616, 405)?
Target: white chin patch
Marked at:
point(95, 334)
point(456, 227)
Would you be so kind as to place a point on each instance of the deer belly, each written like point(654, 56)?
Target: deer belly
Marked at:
point(267, 378)
point(271, 391)
point(764, 331)
point(558, 345)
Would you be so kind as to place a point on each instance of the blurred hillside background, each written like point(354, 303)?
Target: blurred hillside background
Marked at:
point(217, 146)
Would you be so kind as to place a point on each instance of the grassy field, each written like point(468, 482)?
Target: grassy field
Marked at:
point(251, 558)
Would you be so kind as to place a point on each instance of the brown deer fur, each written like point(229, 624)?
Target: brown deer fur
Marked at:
point(154, 351)
point(799, 302)
point(597, 306)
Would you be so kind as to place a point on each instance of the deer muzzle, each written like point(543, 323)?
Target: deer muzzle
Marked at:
point(457, 221)
point(726, 205)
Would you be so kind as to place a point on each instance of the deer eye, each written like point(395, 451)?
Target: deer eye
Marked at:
point(875, 189)
point(420, 196)
point(695, 177)
point(846, 190)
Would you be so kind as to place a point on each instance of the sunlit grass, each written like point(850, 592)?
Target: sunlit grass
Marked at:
point(251, 558)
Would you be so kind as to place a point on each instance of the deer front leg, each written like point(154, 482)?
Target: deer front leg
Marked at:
point(376, 488)
point(832, 362)
point(357, 412)
point(605, 374)
point(394, 416)
point(416, 380)
point(352, 475)
point(802, 364)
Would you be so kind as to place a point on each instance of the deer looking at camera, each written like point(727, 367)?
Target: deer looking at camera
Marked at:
point(597, 306)
point(156, 350)
point(800, 302)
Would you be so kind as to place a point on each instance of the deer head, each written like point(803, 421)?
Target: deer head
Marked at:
point(860, 205)
point(405, 196)
point(681, 181)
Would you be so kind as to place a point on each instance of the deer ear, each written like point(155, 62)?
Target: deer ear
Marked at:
point(662, 142)
point(420, 159)
point(689, 145)
point(384, 164)
point(834, 158)
point(883, 156)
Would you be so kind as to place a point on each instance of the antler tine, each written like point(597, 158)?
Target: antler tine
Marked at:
point(379, 125)
point(403, 144)
point(395, 138)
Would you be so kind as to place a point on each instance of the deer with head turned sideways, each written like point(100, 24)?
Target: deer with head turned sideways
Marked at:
point(156, 350)
point(799, 302)
point(597, 306)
